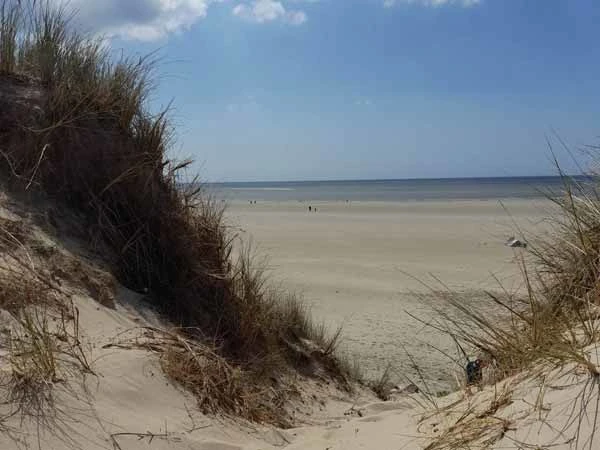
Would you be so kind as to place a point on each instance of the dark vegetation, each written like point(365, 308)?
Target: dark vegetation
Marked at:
point(74, 126)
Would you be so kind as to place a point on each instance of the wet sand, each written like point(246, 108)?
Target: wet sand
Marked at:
point(361, 265)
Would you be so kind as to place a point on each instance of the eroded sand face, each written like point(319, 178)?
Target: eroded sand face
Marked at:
point(354, 263)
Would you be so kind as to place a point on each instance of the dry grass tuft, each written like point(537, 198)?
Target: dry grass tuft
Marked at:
point(44, 346)
point(219, 386)
point(471, 425)
point(383, 385)
point(45, 357)
point(557, 316)
point(554, 318)
point(43, 352)
point(34, 366)
point(476, 432)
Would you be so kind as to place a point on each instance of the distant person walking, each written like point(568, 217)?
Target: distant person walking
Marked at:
point(309, 208)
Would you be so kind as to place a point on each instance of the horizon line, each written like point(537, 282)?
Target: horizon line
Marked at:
point(399, 179)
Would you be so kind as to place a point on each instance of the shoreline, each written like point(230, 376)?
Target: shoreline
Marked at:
point(239, 201)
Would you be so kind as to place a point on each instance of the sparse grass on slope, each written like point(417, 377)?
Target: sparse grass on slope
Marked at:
point(557, 312)
point(74, 124)
point(555, 317)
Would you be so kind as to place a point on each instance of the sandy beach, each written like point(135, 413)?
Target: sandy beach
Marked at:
point(360, 265)
point(129, 402)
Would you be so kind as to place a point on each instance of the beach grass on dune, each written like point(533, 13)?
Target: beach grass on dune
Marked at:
point(560, 292)
point(82, 134)
point(554, 319)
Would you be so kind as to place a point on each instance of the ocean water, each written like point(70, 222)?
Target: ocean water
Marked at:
point(391, 190)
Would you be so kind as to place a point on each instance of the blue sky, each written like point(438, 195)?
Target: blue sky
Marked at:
point(330, 89)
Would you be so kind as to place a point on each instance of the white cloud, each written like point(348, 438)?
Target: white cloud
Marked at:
point(262, 11)
point(148, 20)
point(433, 3)
point(138, 19)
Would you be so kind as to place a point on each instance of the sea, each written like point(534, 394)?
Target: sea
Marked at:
point(396, 190)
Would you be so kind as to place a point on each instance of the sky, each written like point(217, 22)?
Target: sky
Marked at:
point(364, 89)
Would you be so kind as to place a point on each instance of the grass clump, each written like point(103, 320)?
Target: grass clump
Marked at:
point(44, 357)
point(77, 128)
point(34, 364)
point(551, 324)
point(219, 385)
point(555, 316)
point(43, 353)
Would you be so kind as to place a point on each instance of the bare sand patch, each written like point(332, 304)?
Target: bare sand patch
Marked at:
point(355, 263)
